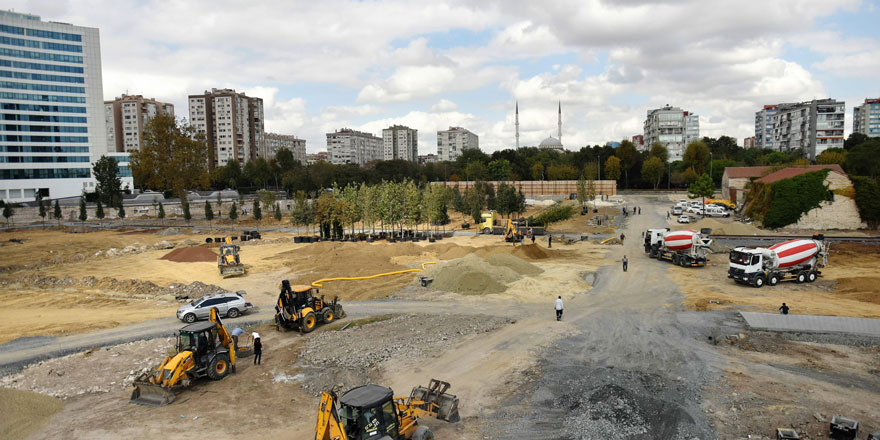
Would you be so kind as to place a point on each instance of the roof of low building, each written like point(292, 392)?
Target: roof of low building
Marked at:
point(744, 172)
point(787, 173)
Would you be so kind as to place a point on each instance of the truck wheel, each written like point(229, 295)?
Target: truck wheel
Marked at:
point(675, 260)
point(801, 277)
point(422, 433)
point(811, 276)
point(327, 315)
point(308, 322)
point(486, 230)
point(219, 367)
point(774, 279)
point(759, 282)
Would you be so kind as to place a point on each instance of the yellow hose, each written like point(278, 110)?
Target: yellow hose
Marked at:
point(320, 282)
point(607, 240)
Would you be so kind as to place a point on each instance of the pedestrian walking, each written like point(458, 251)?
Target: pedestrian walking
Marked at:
point(236, 332)
point(549, 241)
point(625, 263)
point(783, 309)
point(667, 215)
point(622, 237)
point(640, 210)
point(258, 349)
point(559, 308)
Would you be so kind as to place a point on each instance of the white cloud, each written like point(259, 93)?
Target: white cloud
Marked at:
point(444, 105)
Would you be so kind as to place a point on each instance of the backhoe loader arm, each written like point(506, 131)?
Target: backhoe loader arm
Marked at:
point(225, 338)
point(328, 426)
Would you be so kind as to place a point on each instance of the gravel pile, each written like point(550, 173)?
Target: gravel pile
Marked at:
point(348, 358)
point(149, 289)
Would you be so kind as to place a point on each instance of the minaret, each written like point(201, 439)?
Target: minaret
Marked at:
point(517, 125)
point(560, 122)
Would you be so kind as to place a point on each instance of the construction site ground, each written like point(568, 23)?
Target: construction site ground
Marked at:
point(655, 352)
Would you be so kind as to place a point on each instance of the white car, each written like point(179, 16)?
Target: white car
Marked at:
point(695, 210)
point(696, 204)
point(684, 219)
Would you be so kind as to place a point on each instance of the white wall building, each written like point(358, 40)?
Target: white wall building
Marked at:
point(764, 126)
point(451, 143)
point(401, 143)
point(350, 146)
point(232, 123)
point(275, 142)
point(126, 117)
point(866, 118)
point(813, 126)
point(673, 128)
point(53, 108)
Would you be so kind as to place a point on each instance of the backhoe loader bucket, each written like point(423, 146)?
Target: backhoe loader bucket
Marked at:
point(149, 394)
point(232, 270)
point(435, 400)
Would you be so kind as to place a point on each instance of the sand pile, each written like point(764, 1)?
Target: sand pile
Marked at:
point(473, 275)
point(532, 252)
point(732, 228)
point(190, 255)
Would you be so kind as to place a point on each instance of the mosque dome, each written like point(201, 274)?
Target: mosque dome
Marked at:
point(551, 142)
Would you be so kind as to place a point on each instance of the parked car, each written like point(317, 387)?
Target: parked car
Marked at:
point(695, 204)
point(695, 210)
point(684, 219)
point(717, 211)
point(229, 304)
point(677, 210)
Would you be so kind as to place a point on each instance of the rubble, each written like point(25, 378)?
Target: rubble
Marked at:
point(180, 291)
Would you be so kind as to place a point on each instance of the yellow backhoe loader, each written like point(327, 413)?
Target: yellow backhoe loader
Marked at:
point(371, 412)
point(228, 262)
point(299, 307)
point(203, 349)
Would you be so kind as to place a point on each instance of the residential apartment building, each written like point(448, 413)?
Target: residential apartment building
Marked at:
point(866, 118)
point(312, 159)
point(451, 143)
point(813, 126)
point(350, 146)
point(673, 128)
point(764, 126)
point(52, 103)
point(428, 158)
point(275, 142)
point(401, 142)
point(232, 123)
point(126, 117)
point(749, 142)
point(639, 142)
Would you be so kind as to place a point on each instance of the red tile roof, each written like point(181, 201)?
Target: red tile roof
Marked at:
point(787, 173)
point(743, 172)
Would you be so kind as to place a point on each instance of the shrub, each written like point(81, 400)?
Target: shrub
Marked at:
point(867, 200)
point(791, 198)
point(553, 214)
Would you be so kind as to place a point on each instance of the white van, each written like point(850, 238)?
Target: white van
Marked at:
point(677, 210)
point(716, 211)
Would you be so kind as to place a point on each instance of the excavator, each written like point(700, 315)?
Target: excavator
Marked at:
point(371, 412)
point(299, 307)
point(228, 262)
point(203, 349)
point(512, 232)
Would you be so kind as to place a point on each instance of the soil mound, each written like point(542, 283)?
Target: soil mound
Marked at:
point(518, 265)
point(532, 251)
point(472, 275)
point(732, 228)
point(190, 255)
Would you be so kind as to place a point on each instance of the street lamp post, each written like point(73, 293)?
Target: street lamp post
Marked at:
point(710, 165)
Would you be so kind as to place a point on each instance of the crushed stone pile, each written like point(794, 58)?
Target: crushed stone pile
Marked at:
point(191, 255)
point(337, 359)
point(518, 265)
point(140, 288)
point(473, 275)
point(109, 369)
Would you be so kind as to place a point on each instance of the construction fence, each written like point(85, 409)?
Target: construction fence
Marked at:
point(532, 188)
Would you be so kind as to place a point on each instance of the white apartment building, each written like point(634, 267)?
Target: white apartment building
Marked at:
point(401, 143)
point(346, 146)
point(451, 143)
point(275, 142)
point(866, 118)
point(52, 102)
point(813, 126)
point(126, 117)
point(673, 128)
point(232, 123)
point(764, 126)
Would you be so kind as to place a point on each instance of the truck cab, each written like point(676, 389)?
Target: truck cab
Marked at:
point(746, 266)
point(488, 220)
point(654, 237)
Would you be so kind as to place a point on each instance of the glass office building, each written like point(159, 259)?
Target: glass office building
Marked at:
point(51, 106)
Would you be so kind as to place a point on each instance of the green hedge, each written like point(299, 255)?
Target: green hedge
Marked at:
point(788, 199)
point(553, 214)
point(867, 200)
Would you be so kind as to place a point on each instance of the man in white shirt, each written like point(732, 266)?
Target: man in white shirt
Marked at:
point(559, 308)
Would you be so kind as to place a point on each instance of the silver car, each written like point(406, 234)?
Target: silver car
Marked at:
point(229, 304)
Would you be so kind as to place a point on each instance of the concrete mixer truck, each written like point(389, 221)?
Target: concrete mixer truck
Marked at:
point(793, 260)
point(685, 248)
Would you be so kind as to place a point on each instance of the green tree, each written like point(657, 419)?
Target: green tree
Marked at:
point(41, 204)
point(83, 214)
point(475, 171)
point(628, 156)
point(867, 200)
point(864, 159)
point(109, 187)
point(612, 168)
point(659, 151)
point(56, 213)
point(268, 198)
point(537, 171)
point(500, 170)
point(258, 212)
point(161, 213)
point(689, 176)
point(854, 140)
point(233, 212)
point(561, 172)
point(832, 156)
point(591, 170)
point(121, 212)
point(187, 215)
point(653, 170)
point(582, 191)
point(702, 188)
point(99, 209)
point(302, 214)
point(172, 157)
point(8, 212)
point(277, 213)
point(209, 212)
point(697, 156)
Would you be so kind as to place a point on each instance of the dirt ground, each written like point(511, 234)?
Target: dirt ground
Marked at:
point(848, 286)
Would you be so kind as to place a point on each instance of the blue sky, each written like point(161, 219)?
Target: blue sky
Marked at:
point(321, 66)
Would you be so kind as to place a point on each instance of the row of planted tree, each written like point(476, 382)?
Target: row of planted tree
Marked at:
point(401, 208)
